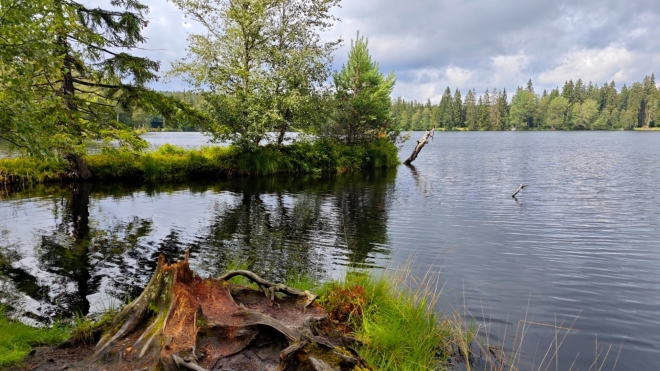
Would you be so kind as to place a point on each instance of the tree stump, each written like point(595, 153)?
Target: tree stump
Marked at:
point(184, 322)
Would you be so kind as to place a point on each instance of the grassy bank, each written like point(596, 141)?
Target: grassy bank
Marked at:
point(174, 163)
point(18, 339)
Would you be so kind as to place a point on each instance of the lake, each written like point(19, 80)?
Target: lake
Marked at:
point(579, 247)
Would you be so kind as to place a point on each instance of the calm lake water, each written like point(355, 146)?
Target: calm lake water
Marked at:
point(579, 247)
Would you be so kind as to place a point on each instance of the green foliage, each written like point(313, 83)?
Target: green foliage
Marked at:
point(170, 162)
point(64, 69)
point(17, 339)
point(362, 98)
point(263, 61)
point(523, 110)
point(556, 116)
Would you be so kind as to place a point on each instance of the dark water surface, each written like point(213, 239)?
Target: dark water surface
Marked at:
point(580, 247)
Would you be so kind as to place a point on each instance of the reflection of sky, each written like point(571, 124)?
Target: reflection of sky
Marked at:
point(165, 210)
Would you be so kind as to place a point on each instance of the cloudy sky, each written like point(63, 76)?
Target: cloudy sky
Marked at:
point(471, 43)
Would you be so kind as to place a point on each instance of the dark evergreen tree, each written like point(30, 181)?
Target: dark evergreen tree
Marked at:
point(457, 109)
point(471, 113)
point(568, 91)
point(446, 110)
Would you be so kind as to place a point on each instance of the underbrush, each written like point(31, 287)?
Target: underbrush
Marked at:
point(18, 339)
point(175, 163)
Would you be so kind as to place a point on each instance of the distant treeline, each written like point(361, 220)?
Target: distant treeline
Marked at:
point(577, 106)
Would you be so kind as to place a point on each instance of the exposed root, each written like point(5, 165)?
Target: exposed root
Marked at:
point(270, 288)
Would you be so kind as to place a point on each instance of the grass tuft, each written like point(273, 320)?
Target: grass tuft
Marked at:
point(398, 326)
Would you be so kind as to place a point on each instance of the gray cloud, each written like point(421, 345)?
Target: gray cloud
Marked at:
point(472, 43)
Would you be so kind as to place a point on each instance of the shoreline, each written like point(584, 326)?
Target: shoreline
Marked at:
point(171, 163)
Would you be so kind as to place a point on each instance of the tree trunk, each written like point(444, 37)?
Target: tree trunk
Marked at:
point(420, 144)
point(183, 322)
point(78, 166)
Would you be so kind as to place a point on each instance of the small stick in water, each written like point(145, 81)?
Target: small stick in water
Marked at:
point(522, 186)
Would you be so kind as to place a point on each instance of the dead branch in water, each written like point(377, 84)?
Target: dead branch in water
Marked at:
point(522, 186)
point(420, 144)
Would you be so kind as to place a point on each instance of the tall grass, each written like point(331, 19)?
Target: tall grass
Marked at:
point(398, 326)
point(17, 339)
point(175, 163)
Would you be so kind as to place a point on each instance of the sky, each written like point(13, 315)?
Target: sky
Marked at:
point(467, 44)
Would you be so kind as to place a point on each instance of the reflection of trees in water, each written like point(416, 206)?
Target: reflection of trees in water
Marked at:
point(363, 208)
point(75, 252)
point(278, 224)
point(271, 231)
point(287, 225)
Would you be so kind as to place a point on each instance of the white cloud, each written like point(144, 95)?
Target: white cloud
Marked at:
point(431, 83)
point(457, 76)
point(508, 68)
point(610, 63)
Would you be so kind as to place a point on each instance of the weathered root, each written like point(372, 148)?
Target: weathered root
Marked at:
point(270, 288)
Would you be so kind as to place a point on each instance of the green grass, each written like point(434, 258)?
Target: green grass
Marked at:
point(170, 162)
point(398, 326)
point(17, 339)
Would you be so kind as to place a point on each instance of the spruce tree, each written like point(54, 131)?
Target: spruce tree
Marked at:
point(484, 111)
point(471, 113)
point(530, 86)
point(446, 110)
point(457, 108)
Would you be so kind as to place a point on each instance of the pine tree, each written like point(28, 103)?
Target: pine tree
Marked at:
point(502, 109)
point(363, 96)
point(530, 86)
point(568, 91)
point(484, 111)
point(579, 91)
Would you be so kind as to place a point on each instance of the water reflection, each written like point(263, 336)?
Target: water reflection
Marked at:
point(83, 247)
